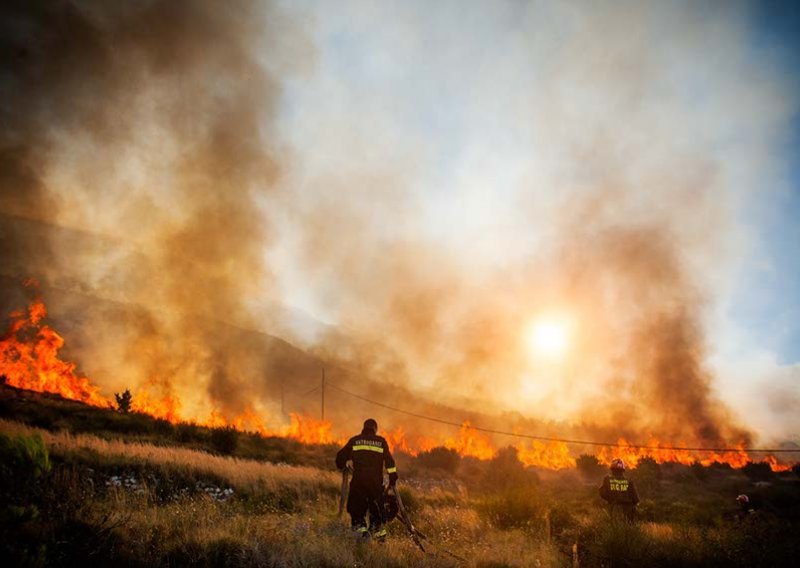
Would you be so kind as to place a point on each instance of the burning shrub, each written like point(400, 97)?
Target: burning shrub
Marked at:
point(225, 440)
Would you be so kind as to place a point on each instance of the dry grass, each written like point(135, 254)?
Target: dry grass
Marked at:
point(246, 475)
point(284, 516)
point(196, 530)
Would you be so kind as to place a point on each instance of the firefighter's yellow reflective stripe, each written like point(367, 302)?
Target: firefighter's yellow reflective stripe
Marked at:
point(618, 484)
point(369, 448)
point(391, 470)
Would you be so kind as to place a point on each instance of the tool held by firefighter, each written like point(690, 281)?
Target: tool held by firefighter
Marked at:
point(403, 517)
point(369, 454)
point(346, 471)
point(619, 492)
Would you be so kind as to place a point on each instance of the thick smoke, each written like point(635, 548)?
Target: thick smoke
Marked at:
point(439, 186)
point(598, 180)
point(135, 149)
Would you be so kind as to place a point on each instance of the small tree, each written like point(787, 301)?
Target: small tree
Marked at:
point(124, 401)
point(23, 461)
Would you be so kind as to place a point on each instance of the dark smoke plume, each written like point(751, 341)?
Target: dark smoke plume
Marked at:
point(135, 138)
point(138, 172)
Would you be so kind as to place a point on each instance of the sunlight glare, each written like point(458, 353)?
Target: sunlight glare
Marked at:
point(548, 338)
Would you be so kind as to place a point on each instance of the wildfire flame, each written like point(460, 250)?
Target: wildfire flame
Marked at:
point(29, 352)
point(29, 360)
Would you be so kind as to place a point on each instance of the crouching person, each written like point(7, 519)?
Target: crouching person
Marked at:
point(619, 492)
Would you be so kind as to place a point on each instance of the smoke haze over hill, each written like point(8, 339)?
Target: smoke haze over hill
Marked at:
point(429, 181)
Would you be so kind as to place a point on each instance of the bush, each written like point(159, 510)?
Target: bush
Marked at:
point(186, 432)
point(224, 440)
point(647, 475)
point(589, 466)
point(440, 458)
point(506, 471)
point(759, 471)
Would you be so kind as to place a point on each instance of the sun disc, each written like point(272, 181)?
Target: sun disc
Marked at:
point(548, 338)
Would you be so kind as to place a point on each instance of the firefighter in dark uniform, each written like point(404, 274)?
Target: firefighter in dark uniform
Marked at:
point(369, 453)
point(619, 492)
point(745, 509)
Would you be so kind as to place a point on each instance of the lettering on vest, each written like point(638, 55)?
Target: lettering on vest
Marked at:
point(368, 445)
point(618, 485)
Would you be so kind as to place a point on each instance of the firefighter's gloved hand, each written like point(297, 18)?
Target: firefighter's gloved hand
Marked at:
point(392, 479)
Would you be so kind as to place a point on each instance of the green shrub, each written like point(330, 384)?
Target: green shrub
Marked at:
point(22, 459)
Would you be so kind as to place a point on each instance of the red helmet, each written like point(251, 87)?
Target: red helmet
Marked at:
point(617, 463)
point(743, 498)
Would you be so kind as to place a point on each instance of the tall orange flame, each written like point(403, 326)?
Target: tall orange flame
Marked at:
point(29, 360)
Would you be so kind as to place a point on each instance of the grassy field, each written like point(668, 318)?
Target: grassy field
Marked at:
point(88, 485)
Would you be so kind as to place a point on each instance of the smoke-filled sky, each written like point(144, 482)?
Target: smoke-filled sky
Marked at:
point(578, 211)
point(513, 138)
